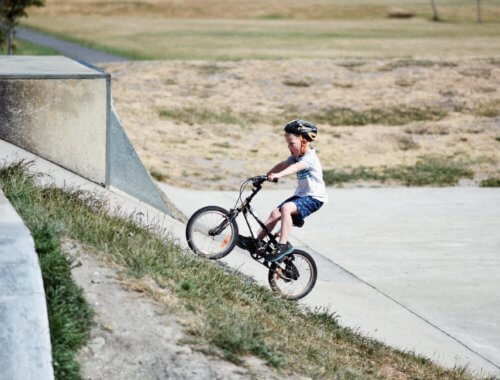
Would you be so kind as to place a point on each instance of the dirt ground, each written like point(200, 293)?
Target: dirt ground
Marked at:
point(138, 337)
point(208, 125)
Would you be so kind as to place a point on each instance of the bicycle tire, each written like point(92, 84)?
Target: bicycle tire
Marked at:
point(198, 234)
point(274, 276)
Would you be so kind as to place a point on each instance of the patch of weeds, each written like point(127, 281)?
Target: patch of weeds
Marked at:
point(216, 178)
point(158, 175)
point(427, 129)
point(490, 109)
point(406, 143)
point(497, 138)
point(343, 84)
point(486, 90)
point(297, 82)
point(224, 145)
point(490, 182)
point(334, 177)
point(429, 170)
point(415, 62)
point(351, 64)
point(404, 83)
point(210, 69)
point(254, 151)
point(493, 61)
point(170, 82)
point(390, 116)
point(199, 115)
point(476, 72)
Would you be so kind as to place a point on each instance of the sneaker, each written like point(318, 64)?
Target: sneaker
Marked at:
point(281, 251)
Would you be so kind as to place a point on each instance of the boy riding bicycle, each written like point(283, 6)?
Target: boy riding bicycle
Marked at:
point(310, 194)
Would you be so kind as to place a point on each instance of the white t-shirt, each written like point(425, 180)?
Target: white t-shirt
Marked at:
point(311, 178)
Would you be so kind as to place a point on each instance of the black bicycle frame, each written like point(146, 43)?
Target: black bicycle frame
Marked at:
point(245, 208)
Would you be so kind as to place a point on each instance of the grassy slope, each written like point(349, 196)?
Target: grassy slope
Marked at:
point(69, 315)
point(229, 317)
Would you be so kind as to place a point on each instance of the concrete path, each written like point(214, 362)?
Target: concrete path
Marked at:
point(69, 49)
point(25, 351)
point(417, 268)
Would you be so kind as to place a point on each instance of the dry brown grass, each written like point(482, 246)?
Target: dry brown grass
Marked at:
point(243, 9)
point(217, 153)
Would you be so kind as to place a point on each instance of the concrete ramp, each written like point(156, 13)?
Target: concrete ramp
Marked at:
point(62, 110)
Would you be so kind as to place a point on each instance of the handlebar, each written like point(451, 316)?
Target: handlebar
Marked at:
point(260, 179)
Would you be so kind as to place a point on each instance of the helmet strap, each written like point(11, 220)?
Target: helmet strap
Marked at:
point(304, 147)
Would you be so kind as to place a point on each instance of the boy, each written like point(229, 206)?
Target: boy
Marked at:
point(310, 193)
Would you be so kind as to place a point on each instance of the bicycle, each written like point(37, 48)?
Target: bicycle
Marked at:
point(212, 232)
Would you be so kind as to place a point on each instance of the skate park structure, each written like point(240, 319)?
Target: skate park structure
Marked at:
point(62, 110)
point(58, 113)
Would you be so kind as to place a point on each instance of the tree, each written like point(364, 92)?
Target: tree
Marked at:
point(10, 12)
point(435, 15)
point(478, 3)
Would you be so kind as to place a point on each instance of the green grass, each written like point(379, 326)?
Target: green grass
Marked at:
point(238, 39)
point(388, 116)
point(490, 182)
point(232, 317)
point(70, 317)
point(199, 115)
point(27, 48)
point(428, 171)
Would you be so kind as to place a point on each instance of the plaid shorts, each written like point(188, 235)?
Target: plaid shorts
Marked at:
point(305, 205)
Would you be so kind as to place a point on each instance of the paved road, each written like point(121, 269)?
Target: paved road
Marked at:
point(415, 267)
point(68, 49)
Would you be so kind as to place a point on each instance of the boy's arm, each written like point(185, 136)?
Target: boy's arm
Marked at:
point(287, 170)
point(279, 167)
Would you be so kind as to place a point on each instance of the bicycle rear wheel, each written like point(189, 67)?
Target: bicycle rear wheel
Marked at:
point(211, 233)
point(295, 276)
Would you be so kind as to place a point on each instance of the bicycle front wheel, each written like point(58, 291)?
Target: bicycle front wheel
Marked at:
point(295, 276)
point(211, 233)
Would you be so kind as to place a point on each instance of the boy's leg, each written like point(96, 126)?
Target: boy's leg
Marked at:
point(287, 210)
point(270, 223)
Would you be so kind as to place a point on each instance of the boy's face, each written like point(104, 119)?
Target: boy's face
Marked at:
point(294, 144)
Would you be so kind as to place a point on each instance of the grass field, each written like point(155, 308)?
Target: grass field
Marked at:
point(235, 30)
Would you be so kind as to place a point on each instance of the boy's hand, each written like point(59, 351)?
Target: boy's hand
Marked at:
point(273, 177)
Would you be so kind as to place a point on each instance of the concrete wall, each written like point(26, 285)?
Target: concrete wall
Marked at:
point(62, 120)
point(61, 110)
